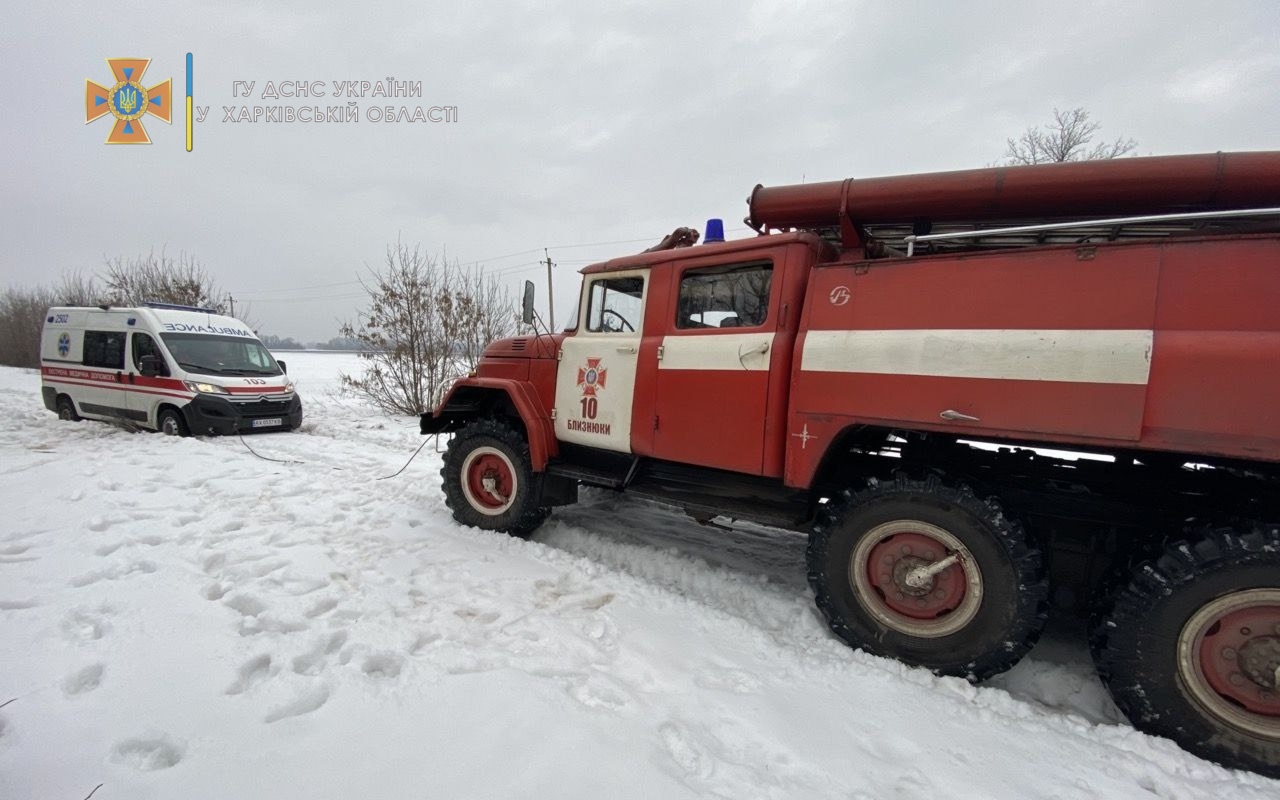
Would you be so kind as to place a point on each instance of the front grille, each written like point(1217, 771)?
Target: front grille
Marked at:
point(262, 408)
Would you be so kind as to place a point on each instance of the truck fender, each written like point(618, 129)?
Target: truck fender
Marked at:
point(472, 398)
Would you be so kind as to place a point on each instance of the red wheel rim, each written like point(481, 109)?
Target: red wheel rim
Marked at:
point(488, 466)
point(1239, 657)
point(890, 561)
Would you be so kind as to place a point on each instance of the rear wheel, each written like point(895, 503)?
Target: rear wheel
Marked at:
point(171, 423)
point(489, 480)
point(929, 574)
point(1191, 647)
point(67, 409)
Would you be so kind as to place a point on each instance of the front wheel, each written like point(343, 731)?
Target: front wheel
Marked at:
point(171, 423)
point(1190, 649)
point(928, 574)
point(489, 481)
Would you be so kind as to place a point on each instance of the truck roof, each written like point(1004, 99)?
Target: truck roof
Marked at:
point(648, 259)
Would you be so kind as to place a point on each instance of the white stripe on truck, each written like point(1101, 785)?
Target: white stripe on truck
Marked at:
point(1072, 356)
point(717, 351)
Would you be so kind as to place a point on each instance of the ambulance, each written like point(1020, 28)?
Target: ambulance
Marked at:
point(177, 369)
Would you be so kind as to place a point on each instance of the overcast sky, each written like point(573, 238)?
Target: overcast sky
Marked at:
point(577, 123)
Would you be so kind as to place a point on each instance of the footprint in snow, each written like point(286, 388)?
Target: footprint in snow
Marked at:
point(83, 680)
point(112, 573)
point(251, 673)
point(313, 661)
point(84, 625)
point(382, 665)
point(307, 702)
point(147, 754)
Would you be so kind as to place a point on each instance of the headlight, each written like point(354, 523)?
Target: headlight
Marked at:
point(288, 388)
point(204, 388)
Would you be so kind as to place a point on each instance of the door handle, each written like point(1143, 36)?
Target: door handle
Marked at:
point(955, 416)
point(630, 348)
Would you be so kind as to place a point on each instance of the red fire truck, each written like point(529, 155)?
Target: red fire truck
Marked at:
point(895, 366)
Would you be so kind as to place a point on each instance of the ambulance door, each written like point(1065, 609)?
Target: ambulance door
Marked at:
point(713, 365)
point(146, 392)
point(100, 389)
point(596, 377)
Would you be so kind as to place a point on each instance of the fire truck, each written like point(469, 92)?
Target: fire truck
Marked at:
point(983, 395)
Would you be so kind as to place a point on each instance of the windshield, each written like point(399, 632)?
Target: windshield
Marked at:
point(220, 355)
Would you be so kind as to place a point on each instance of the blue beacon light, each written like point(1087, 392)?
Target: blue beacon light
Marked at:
point(715, 231)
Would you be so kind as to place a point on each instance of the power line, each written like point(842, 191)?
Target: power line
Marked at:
point(254, 294)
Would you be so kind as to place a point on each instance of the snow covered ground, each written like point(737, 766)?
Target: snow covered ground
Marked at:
point(184, 619)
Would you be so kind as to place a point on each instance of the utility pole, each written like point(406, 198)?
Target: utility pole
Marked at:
point(232, 300)
point(551, 309)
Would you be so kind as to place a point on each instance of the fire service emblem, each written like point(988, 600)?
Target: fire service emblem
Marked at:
point(591, 377)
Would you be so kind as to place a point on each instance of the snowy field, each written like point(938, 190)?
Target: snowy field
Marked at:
point(184, 619)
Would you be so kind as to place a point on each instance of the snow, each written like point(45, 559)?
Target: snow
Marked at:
point(184, 619)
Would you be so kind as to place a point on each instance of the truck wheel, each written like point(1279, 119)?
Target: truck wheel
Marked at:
point(928, 574)
point(1190, 649)
point(171, 423)
point(489, 481)
point(67, 409)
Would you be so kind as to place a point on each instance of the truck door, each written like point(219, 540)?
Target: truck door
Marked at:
point(596, 377)
point(712, 375)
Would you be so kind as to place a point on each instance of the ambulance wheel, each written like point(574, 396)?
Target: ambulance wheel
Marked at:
point(928, 574)
point(171, 423)
point(489, 480)
point(67, 409)
point(1190, 648)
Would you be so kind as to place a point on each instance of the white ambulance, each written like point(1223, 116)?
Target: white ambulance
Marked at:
point(176, 369)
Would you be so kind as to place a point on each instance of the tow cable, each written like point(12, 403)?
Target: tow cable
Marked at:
point(295, 461)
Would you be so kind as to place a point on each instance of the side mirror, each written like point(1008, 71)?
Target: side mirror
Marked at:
point(151, 366)
point(283, 366)
point(526, 305)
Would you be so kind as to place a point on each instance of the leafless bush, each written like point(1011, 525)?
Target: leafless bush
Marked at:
point(426, 324)
point(1067, 138)
point(22, 313)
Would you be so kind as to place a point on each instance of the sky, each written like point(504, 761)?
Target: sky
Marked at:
point(588, 129)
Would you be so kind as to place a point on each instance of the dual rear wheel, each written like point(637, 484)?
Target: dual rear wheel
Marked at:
point(927, 573)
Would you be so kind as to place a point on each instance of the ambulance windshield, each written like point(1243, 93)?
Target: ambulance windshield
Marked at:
point(220, 355)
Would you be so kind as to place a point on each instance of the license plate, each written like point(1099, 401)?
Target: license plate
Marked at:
point(272, 422)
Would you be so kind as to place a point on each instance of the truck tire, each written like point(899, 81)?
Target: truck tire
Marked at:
point(1190, 648)
point(67, 409)
point(489, 482)
point(171, 423)
point(973, 618)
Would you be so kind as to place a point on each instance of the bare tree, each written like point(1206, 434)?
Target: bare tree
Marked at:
point(162, 278)
point(425, 325)
point(1067, 138)
point(78, 289)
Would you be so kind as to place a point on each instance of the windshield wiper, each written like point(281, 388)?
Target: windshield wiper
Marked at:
point(200, 368)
